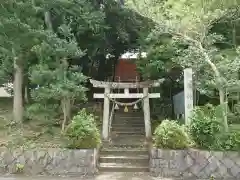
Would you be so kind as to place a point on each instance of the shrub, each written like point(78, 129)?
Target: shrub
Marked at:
point(233, 118)
point(206, 127)
point(170, 135)
point(155, 123)
point(45, 113)
point(82, 132)
point(231, 141)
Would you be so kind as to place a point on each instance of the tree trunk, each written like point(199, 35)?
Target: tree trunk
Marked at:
point(223, 103)
point(25, 91)
point(48, 21)
point(216, 73)
point(171, 99)
point(26, 94)
point(66, 108)
point(17, 91)
point(220, 88)
point(101, 74)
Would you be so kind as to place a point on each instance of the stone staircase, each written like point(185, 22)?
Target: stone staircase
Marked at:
point(127, 151)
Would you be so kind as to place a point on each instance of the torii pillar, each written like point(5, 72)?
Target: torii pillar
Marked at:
point(126, 86)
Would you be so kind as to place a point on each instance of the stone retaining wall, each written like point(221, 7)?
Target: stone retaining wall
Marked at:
point(48, 162)
point(195, 164)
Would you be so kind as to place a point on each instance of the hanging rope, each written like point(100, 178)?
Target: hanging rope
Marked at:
point(124, 104)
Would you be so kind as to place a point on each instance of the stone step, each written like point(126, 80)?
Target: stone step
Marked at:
point(139, 160)
point(129, 137)
point(120, 133)
point(126, 145)
point(127, 129)
point(128, 125)
point(120, 167)
point(124, 151)
point(121, 141)
point(129, 117)
point(128, 114)
point(127, 122)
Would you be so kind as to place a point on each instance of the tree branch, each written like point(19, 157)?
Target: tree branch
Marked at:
point(215, 70)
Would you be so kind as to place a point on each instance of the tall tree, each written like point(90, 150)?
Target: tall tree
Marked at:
point(24, 35)
point(189, 23)
point(20, 31)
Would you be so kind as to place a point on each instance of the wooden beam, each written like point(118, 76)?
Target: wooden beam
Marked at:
point(126, 96)
point(116, 85)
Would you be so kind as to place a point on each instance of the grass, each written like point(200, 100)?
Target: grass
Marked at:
point(37, 133)
point(33, 133)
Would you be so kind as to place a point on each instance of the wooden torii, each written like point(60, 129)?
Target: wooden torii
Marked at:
point(126, 95)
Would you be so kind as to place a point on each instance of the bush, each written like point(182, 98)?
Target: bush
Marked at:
point(83, 133)
point(231, 141)
point(233, 118)
point(206, 128)
point(155, 123)
point(45, 113)
point(170, 135)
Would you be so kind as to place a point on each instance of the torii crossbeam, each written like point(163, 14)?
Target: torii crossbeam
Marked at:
point(126, 86)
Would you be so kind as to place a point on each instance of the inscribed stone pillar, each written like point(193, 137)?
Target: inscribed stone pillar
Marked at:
point(106, 105)
point(188, 94)
point(146, 109)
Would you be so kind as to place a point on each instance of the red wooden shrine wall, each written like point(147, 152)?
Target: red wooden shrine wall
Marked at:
point(126, 70)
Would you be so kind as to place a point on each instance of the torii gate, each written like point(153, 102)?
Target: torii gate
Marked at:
point(126, 86)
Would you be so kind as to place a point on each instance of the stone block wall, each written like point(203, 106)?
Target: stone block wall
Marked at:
point(48, 161)
point(195, 164)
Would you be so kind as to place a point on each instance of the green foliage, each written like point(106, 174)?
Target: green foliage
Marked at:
point(206, 130)
point(233, 118)
point(160, 51)
point(170, 135)
point(188, 35)
point(63, 82)
point(43, 112)
point(155, 123)
point(19, 168)
point(83, 132)
point(55, 78)
point(61, 85)
point(234, 114)
point(231, 141)
point(206, 127)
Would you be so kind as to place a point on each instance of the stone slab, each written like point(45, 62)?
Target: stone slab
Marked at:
point(48, 161)
point(194, 163)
